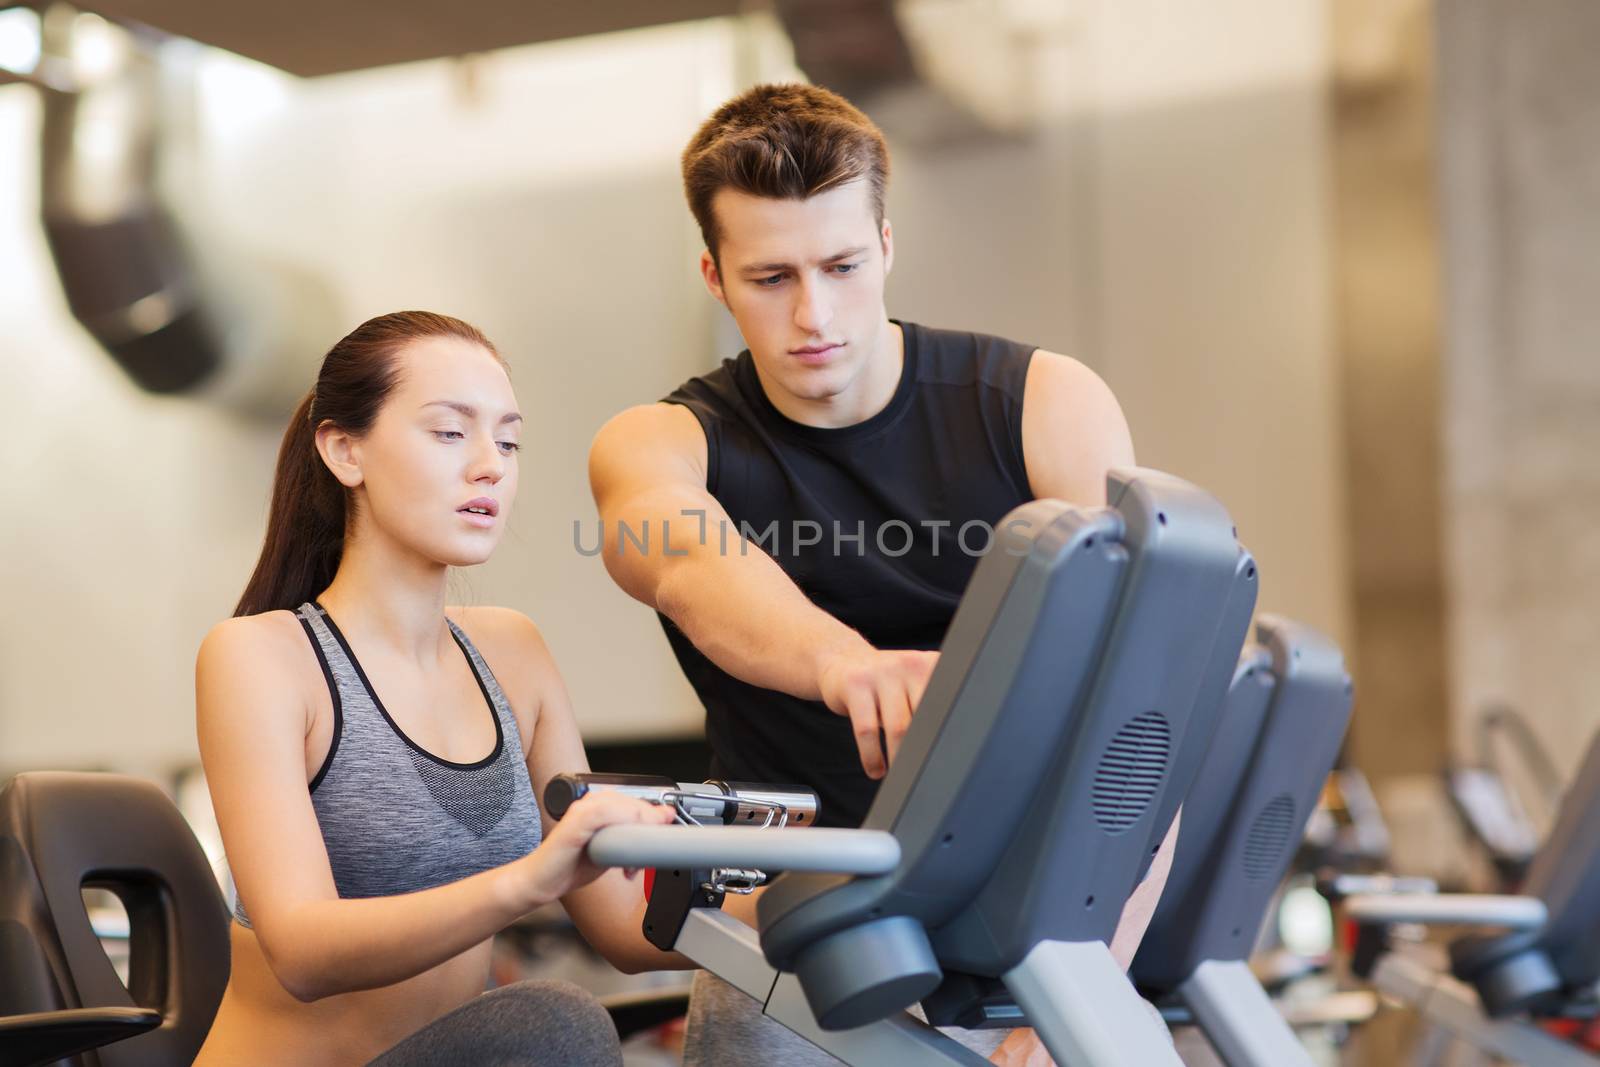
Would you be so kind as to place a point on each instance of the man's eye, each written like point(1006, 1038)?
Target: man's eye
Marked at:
point(770, 281)
point(846, 268)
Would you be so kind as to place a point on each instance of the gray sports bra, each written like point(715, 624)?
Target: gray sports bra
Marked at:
point(396, 818)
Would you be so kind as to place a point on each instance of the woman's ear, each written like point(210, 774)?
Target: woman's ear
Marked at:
point(338, 451)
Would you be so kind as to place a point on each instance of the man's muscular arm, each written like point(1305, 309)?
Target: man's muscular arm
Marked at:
point(1073, 431)
point(647, 469)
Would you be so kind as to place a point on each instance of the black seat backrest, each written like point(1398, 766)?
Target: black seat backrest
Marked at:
point(62, 832)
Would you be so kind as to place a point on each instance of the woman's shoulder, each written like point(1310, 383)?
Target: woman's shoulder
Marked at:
point(269, 642)
point(259, 663)
point(513, 647)
point(264, 631)
point(265, 628)
point(503, 630)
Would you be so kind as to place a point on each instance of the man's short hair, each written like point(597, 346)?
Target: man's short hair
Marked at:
point(786, 142)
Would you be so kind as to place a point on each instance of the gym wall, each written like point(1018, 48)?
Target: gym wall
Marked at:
point(1165, 222)
point(1519, 180)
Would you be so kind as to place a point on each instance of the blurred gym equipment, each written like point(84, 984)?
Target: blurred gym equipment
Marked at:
point(1504, 991)
point(1280, 732)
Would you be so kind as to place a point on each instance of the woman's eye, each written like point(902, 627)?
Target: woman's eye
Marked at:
point(845, 268)
point(510, 448)
point(449, 435)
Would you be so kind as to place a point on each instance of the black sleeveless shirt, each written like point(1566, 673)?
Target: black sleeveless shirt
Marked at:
point(880, 524)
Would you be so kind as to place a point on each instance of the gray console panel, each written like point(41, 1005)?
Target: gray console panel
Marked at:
point(1027, 791)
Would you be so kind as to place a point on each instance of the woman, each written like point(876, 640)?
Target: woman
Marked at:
point(374, 779)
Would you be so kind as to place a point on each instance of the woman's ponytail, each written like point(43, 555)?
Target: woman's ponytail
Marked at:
point(305, 525)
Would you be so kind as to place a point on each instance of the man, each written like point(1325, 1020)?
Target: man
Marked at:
point(818, 503)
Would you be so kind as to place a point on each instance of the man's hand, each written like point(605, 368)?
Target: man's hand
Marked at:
point(878, 690)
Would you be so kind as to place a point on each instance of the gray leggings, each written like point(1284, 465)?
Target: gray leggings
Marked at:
point(528, 1024)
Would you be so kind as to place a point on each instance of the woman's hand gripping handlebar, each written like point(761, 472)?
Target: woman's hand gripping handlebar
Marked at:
point(562, 862)
point(636, 843)
point(697, 803)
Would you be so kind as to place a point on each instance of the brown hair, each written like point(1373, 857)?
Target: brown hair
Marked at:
point(787, 142)
point(306, 523)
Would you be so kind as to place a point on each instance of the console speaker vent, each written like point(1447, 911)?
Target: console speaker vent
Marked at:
point(1130, 771)
point(1268, 836)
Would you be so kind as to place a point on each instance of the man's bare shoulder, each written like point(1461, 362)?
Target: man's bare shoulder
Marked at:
point(660, 423)
point(1073, 430)
point(649, 437)
point(1054, 371)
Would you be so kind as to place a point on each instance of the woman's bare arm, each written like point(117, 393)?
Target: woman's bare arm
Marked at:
point(608, 911)
point(252, 725)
